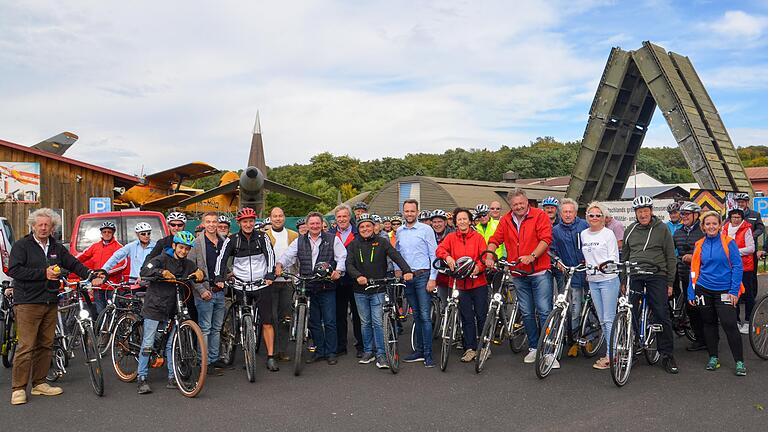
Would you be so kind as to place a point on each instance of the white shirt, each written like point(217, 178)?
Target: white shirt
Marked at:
point(599, 247)
point(281, 242)
point(43, 246)
point(290, 257)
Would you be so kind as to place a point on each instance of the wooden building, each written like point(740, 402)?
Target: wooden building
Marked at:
point(66, 185)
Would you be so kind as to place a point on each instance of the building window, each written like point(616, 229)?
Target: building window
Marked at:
point(408, 191)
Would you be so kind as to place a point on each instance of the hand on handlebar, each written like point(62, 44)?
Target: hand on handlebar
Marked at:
point(167, 275)
point(490, 262)
point(278, 269)
point(526, 259)
point(362, 280)
point(198, 275)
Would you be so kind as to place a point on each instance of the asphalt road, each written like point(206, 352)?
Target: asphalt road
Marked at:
point(349, 396)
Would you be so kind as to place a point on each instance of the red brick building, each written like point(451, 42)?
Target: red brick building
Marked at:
point(759, 178)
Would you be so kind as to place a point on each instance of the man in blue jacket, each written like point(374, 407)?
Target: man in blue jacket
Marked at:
point(566, 245)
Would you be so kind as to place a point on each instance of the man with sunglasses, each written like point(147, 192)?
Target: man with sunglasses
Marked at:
point(495, 210)
point(685, 239)
point(136, 251)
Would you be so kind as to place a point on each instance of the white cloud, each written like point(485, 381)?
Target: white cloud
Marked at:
point(740, 25)
point(738, 77)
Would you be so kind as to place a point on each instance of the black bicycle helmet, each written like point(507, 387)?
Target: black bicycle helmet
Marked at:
point(108, 225)
point(360, 206)
point(464, 267)
point(365, 217)
point(300, 222)
point(323, 270)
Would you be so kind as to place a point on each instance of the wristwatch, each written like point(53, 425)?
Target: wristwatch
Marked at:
point(533, 254)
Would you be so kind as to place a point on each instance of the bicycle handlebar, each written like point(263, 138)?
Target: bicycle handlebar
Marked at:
point(611, 267)
point(375, 283)
point(312, 278)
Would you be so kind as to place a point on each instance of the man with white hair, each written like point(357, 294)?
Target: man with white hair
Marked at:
point(345, 296)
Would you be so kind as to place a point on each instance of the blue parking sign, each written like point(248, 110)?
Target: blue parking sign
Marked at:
point(760, 204)
point(99, 205)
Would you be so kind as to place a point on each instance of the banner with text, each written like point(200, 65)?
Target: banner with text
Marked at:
point(622, 210)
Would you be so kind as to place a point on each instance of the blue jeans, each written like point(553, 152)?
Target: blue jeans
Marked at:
point(534, 293)
point(148, 341)
point(210, 316)
point(322, 322)
point(605, 296)
point(371, 324)
point(421, 302)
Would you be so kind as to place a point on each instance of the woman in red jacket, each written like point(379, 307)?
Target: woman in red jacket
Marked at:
point(741, 231)
point(473, 292)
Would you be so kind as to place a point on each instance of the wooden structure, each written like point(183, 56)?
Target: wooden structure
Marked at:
point(65, 184)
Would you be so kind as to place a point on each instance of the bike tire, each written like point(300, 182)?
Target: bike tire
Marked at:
point(486, 339)
point(391, 350)
point(249, 347)
point(622, 347)
point(449, 333)
point(103, 329)
point(413, 336)
point(3, 336)
point(189, 354)
point(434, 315)
point(758, 328)
point(301, 326)
point(651, 351)
point(125, 346)
point(591, 332)
point(58, 355)
point(92, 359)
point(258, 329)
point(516, 330)
point(550, 343)
point(228, 338)
point(10, 344)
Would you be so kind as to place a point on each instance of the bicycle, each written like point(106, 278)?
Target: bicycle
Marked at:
point(188, 349)
point(299, 319)
point(623, 338)
point(117, 304)
point(451, 324)
point(434, 316)
point(555, 327)
point(78, 326)
point(758, 328)
point(389, 319)
point(8, 338)
point(590, 337)
point(502, 313)
point(230, 335)
point(244, 325)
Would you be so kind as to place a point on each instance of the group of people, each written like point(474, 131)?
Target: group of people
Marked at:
point(692, 253)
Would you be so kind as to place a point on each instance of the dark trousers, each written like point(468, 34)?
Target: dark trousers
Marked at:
point(694, 317)
point(35, 328)
point(473, 306)
point(715, 308)
point(281, 311)
point(656, 296)
point(322, 322)
point(345, 301)
point(748, 298)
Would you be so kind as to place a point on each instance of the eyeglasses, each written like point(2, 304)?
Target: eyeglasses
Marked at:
point(177, 225)
point(495, 208)
point(145, 233)
point(397, 223)
point(686, 213)
point(595, 216)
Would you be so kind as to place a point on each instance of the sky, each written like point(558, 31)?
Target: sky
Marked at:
point(149, 85)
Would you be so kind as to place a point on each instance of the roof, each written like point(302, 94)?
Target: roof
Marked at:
point(757, 173)
point(467, 193)
point(122, 176)
point(547, 181)
point(651, 191)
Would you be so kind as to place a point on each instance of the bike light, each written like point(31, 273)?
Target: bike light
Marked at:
point(84, 314)
point(497, 296)
point(455, 294)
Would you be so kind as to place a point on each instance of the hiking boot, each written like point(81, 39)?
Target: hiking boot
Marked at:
point(43, 389)
point(367, 358)
point(713, 363)
point(144, 386)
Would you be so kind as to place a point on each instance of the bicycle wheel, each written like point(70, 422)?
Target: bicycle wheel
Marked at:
point(390, 341)
point(434, 315)
point(300, 329)
point(622, 346)
point(590, 332)
point(190, 358)
point(413, 336)
point(126, 346)
point(516, 329)
point(449, 333)
point(228, 338)
point(92, 359)
point(58, 359)
point(257, 330)
point(486, 338)
point(249, 347)
point(758, 328)
point(550, 341)
point(651, 350)
point(2, 333)
point(11, 342)
point(103, 329)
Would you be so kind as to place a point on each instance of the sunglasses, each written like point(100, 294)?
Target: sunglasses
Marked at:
point(595, 216)
point(495, 208)
point(145, 233)
point(397, 223)
point(686, 213)
point(177, 225)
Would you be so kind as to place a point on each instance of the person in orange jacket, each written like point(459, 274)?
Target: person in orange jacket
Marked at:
point(97, 255)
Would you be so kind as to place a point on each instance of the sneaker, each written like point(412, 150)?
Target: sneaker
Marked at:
point(44, 389)
point(144, 386)
point(428, 362)
point(18, 397)
point(531, 357)
point(381, 362)
point(414, 357)
point(741, 369)
point(171, 384)
point(713, 363)
point(670, 365)
point(272, 364)
point(573, 351)
point(602, 364)
point(744, 328)
point(469, 355)
point(366, 358)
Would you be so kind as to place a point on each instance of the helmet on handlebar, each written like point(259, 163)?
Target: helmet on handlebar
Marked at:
point(323, 270)
point(464, 267)
point(142, 227)
point(643, 201)
point(184, 237)
point(108, 225)
point(550, 201)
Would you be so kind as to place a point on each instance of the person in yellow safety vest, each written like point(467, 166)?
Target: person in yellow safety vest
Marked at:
point(486, 226)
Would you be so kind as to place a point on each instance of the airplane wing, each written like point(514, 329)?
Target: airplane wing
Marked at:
point(165, 202)
point(235, 185)
point(190, 171)
point(289, 191)
point(57, 144)
point(219, 190)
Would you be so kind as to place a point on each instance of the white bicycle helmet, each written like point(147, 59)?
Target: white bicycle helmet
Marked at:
point(224, 219)
point(142, 227)
point(741, 196)
point(176, 216)
point(641, 202)
point(439, 213)
point(689, 206)
point(108, 225)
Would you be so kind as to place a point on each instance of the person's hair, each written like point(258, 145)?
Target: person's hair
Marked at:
point(411, 201)
point(44, 212)
point(277, 208)
point(211, 213)
point(341, 207)
point(315, 214)
point(570, 201)
point(516, 192)
point(597, 205)
point(606, 212)
point(461, 210)
point(710, 213)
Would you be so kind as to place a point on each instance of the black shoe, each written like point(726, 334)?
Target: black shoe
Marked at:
point(341, 352)
point(669, 364)
point(283, 357)
point(144, 386)
point(332, 360)
point(213, 371)
point(171, 384)
point(218, 364)
point(359, 353)
point(272, 364)
point(314, 358)
point(696, 346)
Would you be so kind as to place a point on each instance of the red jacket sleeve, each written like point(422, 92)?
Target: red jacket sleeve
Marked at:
point(443, 249)
point(481, 247)
point(544, 228)
point(87, 255)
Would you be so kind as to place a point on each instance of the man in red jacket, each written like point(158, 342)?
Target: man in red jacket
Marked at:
point(98, 254)
point(526, 232)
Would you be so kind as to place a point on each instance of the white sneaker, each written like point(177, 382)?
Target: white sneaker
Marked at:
point(531, 357)
point(744, 328)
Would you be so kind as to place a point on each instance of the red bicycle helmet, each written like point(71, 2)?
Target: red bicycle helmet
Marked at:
point(245, 213)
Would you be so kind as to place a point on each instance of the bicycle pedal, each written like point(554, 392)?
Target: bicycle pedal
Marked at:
point(656, 328)
point(496, 342)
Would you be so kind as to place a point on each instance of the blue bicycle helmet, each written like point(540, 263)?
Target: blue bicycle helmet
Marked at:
point(550, 201)
point(184, 237)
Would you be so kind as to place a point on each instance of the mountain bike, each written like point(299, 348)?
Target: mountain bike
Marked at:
point(188, 350)
point(300, 317)
point(389, 319)
point(120, 300)
point(502, 312)
point(8, 338)
point(625, 339)
point(74, 326)
point(555, 327)
point(244, 322)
